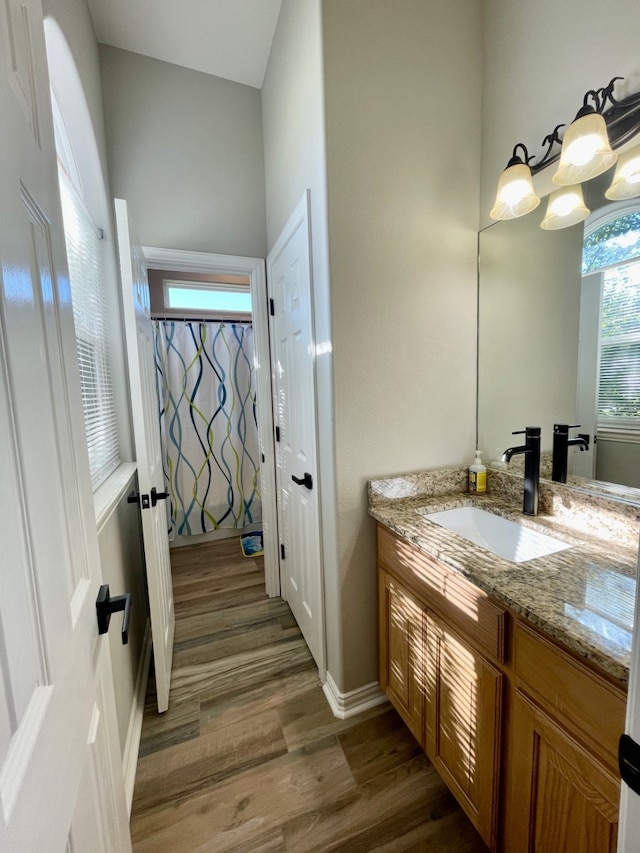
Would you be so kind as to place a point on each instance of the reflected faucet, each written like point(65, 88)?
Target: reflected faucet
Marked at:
point(531, 451)
point(561, 445)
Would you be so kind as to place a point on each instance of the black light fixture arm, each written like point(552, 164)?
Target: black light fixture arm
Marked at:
point(517, 159)
point(622, 118)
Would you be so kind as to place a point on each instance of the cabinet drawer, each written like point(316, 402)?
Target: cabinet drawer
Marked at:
point(586, 703)
point(449, 594)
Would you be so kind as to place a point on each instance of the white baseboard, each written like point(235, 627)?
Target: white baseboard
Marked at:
point(345, 705)
point(134, 730)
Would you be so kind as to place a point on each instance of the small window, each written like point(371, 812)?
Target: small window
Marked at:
point(221, 299)
point(85, 255)
point(619, 388)
point(612, 248)
point(612, 242)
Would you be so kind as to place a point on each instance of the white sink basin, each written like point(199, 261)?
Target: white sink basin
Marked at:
point(505, 538)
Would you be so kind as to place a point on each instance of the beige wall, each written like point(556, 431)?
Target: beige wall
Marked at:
point(539, 60)
point(185, 150)
point(402, 106)
point(402, 86)
point(618, 462)
point(294, 154)
point(528, 315)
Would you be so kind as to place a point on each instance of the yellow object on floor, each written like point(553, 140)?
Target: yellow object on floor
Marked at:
point(251, 544)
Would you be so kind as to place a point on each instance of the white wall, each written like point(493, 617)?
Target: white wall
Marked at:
point(539, 60)
point(123, 569)
point(185, 150)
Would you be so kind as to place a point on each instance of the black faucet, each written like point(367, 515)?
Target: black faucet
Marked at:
point(561, 445)
point(531, 451)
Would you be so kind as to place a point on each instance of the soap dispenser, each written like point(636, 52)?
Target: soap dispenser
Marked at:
point(478, 476)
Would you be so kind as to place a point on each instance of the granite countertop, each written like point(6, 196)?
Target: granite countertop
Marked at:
point(583, 597)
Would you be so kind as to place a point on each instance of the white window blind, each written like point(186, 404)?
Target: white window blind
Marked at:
point(619, 385)
point(85, 253)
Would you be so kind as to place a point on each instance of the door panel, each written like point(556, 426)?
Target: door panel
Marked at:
point(402, 650)
point(289, 275)
point(55, 670)
point(146, 428)
point(463, 723)
point(563, 798)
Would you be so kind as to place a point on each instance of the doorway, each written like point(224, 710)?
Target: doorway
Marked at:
point(192, 266)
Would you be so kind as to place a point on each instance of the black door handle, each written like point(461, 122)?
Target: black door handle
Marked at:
point(141, 499)
point(157, 496)
point(307, 480)
point(105, 606)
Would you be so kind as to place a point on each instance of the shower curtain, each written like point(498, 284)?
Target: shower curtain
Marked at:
point(206, 389)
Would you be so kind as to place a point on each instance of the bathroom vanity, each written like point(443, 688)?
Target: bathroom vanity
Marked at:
point(511, 676)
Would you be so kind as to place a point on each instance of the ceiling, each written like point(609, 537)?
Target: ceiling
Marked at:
point(227, 38)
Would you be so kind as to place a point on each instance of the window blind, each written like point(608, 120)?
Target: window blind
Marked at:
point(85, 254)
point(619, 381)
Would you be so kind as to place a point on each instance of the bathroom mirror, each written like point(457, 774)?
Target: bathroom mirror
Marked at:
point(537, 361)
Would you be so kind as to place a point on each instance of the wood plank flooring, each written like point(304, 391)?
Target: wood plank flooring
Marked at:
point(249, 756)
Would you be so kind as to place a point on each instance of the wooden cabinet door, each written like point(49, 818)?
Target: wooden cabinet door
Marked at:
point(561, 799)
point(401, 652)
point(463, 710)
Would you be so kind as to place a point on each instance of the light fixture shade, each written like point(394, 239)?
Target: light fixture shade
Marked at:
point(515, 195)
point(585, 151)
point(566, 207)
point(626, 181)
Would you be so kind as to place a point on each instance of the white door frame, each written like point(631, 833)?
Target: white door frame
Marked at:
point(205, 262)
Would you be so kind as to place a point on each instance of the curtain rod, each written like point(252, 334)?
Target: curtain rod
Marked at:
point(178, 319)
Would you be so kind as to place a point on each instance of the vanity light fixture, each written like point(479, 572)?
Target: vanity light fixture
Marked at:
point(626, 181)
point(566, 207)
point(603, 124)
point(515, 195)
point(586, 151)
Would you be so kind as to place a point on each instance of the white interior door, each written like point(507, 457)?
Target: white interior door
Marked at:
point(146, 428)
point(289, 278)
point(61, 785)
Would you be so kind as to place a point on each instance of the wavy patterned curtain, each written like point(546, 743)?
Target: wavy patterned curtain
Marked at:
point(206, 388)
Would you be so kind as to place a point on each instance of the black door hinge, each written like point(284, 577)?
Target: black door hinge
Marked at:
point(272, 308)
point(277, 433)
point(283, 553)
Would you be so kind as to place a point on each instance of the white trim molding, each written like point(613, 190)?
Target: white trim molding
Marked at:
point(622, 435)
point(179, 260)
point(134, 729)
point(345, 705)
point(108, 496)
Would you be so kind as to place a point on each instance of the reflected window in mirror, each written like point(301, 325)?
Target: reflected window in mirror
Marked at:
point(610, 333)
point(611, 240)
